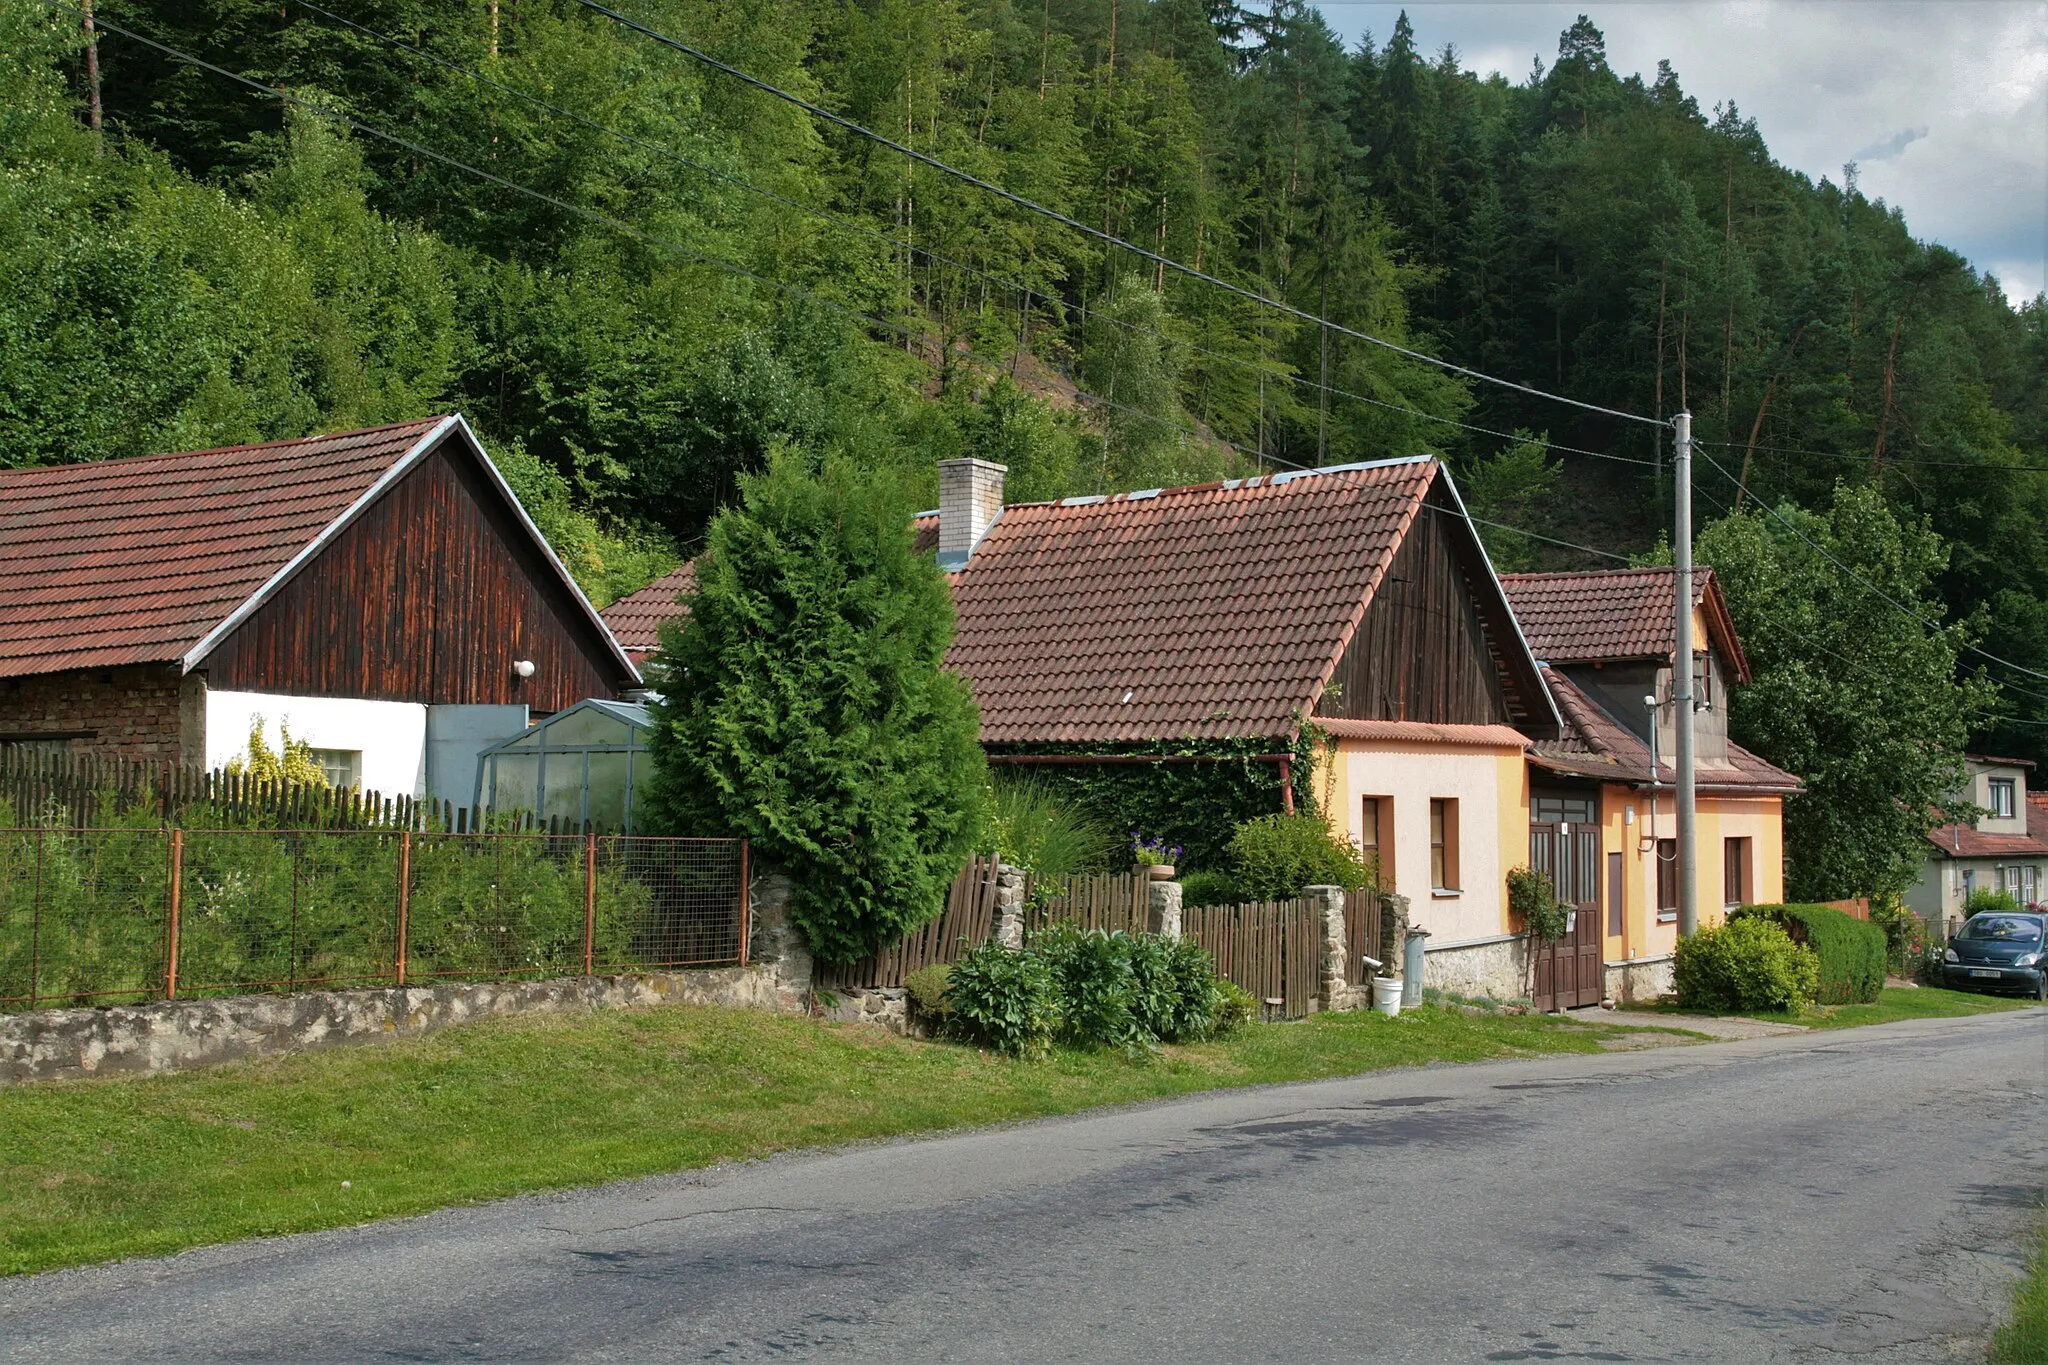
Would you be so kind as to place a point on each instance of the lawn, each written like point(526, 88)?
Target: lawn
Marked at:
point(2024, 1340)
point(1893, 1003)
point(101, 1169)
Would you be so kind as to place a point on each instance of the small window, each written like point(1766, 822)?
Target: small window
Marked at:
point(1735, 887)
point(1667, 880)
point(1703, 683)
point(1564, 810)
point(1443, 844)
point(2002, 802)
point(343, 768)
point(1376, 836)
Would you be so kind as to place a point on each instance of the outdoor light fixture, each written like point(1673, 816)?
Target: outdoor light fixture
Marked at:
point(523, 667)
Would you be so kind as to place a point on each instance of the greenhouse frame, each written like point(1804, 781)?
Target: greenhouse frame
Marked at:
point(581, 766)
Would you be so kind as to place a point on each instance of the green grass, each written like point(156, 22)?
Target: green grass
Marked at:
point(1893, 1003)
point(2024, 1339)
point(100, 1169)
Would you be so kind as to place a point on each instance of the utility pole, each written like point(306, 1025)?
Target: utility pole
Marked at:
point(1681, 680)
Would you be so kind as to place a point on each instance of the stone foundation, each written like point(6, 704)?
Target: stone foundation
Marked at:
point(176, 1034)
point(884, 1006)
point(1495, 968)
point(1641, 981)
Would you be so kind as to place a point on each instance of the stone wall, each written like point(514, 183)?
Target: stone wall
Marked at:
point(146, 713)
point(1641, 981)
point(1496, 968)
point(176, 1034)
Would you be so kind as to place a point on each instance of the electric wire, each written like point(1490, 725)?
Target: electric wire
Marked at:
point(1984, 466)
point(1028, 291)
point(1075, 224)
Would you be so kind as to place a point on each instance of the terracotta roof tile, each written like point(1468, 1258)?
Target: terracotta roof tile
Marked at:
point(1426, 732)
point(1961, 841)
point(135, 560)
point(1216, 611)
point(1612, 614)
point(1596, 745)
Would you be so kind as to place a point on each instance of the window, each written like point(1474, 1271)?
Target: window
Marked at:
point(1735, 887)
point(1703, 683)
point(1564, 810)
point(2022, 881)
point(1615, 880)
point(1376, 836)
point(343, 768)
point(1443, 844)
point(1667, 879)
point(2002, 803)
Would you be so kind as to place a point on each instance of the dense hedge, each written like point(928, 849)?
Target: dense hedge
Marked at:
point(1746, 964)
point(1852, 952)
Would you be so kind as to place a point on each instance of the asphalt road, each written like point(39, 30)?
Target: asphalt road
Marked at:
point(1862, 1195)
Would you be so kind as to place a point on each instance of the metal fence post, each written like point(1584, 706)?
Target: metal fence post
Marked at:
point(404, 897)
point(746, 902)
point(589, 899)
point(177, 887)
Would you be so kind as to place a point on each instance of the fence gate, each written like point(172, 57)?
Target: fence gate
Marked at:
point(1568, 973)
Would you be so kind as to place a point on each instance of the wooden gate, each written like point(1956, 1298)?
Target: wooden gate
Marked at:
point(1569, 973)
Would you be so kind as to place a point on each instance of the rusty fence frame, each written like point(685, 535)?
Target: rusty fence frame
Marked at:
point(166, 977)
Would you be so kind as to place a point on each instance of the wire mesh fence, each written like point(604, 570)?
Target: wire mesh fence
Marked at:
point(112, 916)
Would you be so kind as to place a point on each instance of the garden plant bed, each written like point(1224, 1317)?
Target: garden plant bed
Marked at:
point(103, 1169)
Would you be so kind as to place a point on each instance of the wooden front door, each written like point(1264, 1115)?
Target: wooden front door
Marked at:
point(1568, 973)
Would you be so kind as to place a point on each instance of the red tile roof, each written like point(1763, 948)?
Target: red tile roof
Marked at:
point(1425, 732)
point(136, 560)
point(1216, 611)
point(1596, 745)
point(1961, 841)
point(1612, 614)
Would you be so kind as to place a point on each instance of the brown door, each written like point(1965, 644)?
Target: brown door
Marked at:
point(1568, 973)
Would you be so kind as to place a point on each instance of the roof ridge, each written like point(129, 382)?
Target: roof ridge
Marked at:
point(118, 461)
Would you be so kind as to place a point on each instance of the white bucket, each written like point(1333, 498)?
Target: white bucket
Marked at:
point(1386, 994)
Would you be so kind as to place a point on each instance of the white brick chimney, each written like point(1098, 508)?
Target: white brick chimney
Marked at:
point(970, 500)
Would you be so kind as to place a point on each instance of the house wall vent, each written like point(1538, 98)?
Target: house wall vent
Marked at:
point(970, 500)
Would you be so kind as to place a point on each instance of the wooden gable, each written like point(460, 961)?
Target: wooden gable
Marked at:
point(1436, 643)
point(429, 595)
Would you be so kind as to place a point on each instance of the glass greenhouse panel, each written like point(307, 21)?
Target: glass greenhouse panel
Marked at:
point(562, 796)
point(584, 725)
point(607, 787)
point(517, 784)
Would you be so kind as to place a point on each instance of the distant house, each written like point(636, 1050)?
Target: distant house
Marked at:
point(1357, 598)
point(2003, 849)
point(1602, 806)
point(380, 592)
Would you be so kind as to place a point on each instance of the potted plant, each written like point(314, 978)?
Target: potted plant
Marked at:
point(1155, 856)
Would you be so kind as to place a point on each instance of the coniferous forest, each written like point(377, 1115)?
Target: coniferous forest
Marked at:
point(638, 275)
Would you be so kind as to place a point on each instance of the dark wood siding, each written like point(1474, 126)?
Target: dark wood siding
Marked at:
point(1421, 651)
point(429, 596)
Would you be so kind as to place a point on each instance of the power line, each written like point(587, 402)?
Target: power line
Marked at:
point(1028, 291)
point(1872, 588)
point(1987, 467)
point(1066, 220)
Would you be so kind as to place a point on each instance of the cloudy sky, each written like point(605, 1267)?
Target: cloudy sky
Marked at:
point(1943, 104)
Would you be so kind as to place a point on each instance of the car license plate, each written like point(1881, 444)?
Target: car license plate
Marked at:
point(1983, 971)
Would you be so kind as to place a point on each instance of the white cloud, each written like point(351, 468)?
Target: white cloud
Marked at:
point(1944, 106)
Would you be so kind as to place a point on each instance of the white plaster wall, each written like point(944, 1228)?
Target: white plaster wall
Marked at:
point(1472, 779)
point(392, 735)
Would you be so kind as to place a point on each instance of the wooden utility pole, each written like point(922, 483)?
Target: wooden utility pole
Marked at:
point(92, 69)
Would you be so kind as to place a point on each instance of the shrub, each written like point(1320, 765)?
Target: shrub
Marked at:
point(1208, 888)
point(1851, 951)
point(1750, 963)
point(1004, 1000)
point(1905, 934)
point(1274, 857)
point(1034, 827)
point(1094, 982)
point(926, 988)
point(1534, 901)
point(806, 706)
point(1988, 901)
point(1235, 1007)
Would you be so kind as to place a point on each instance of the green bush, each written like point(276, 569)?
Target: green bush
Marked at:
point(926, 988)
point(1096, 984)
point(1208, 888)
point(1905, 934)
point(1749, 963)
point(1274, 857)
point(1986, 900)
point(1235, 1007)
point(1852, 952)
point(807, 707)
point(1033, 825)
point(1004, 1000)
point(1534, 901)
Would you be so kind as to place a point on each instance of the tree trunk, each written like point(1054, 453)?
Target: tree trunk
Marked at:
point(92, 69)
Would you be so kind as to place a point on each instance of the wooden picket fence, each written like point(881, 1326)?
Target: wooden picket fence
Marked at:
point(1113, 904)
point(969, 918)
point(1273, 949)
point(84, 792)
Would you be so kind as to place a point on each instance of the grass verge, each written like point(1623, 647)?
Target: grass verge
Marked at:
point(102, 1169)
point(1893, 1003)
point(2024, 1339)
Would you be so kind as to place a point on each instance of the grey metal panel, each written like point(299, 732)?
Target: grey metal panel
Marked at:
point(456, 737)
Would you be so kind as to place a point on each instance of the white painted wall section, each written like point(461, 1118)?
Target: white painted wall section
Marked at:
point(391, 736)
point(1472, 779)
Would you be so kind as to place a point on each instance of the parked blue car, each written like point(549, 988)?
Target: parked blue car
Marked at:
point(1998, 952)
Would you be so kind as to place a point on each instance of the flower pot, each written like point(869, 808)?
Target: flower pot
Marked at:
point(1160, 872)
point(1386, 994)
